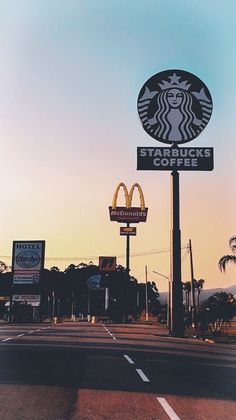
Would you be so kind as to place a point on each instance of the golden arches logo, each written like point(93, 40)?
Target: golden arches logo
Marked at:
point(128, 195)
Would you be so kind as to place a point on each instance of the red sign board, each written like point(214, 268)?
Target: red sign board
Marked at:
point(127, 231)
point(107, 264)
point(128, 215)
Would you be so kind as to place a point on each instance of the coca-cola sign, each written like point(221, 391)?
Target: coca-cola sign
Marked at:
point(27, 259)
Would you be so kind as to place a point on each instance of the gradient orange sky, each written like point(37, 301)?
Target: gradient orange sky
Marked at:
point(69, 80)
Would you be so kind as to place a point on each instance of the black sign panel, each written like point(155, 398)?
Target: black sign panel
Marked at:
point(174, 106)
point(175, 158)
point(128, 215)
point(128, 231)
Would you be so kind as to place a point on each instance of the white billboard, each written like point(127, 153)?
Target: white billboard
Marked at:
point(27, 261)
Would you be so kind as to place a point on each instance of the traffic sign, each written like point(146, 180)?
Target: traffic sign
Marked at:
point(107, 264)
point(94, 282)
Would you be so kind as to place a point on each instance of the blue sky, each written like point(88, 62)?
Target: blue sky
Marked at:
point(70, 75)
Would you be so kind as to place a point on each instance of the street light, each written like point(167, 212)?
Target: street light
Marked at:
point(168, 297)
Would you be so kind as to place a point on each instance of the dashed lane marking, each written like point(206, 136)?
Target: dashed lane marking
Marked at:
point(142, 375)
point(129, 359)
point(168, 409)
point(7, 339)
point(20, 335)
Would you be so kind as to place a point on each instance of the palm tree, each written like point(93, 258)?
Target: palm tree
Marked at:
point(199, 286)
point(187, 289)
point(228, 258)
point(222, 308)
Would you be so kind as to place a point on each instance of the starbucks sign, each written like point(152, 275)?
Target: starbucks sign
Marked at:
point(174, 106)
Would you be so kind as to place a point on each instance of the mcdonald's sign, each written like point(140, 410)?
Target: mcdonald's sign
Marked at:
point(128, 214)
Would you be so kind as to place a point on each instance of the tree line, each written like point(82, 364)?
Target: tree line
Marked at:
point(64, 293)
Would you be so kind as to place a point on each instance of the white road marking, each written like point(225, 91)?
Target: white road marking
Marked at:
point(142, 375)
point(20, 335)
point(108, 332)
point(39, 329)
point(7, 339)
point(29, 332)
point(129, 359)
point(168, 409)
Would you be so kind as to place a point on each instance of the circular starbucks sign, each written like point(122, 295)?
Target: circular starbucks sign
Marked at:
point(174, 106)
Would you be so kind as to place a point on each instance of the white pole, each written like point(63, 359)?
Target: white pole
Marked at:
point(168, 296)
point(146, 293)
point(53, 304)
point(106, 299)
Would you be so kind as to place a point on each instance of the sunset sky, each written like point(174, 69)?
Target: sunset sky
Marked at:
point(70, 75)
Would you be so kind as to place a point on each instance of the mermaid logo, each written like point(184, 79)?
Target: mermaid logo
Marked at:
point(128, 214)
point(174, 106)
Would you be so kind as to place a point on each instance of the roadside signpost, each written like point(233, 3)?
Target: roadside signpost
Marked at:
point(128, 214)
point(174, 107)
point(128, 231)
point(27, 261)
point(94, 282)
point(107, 264)
point(27, 265)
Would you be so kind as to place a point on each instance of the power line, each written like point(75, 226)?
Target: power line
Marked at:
point(94, 257)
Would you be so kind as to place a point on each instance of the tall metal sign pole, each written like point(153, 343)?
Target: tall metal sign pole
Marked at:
point(127, 249)
point(128, 214)
point(174, 107)
point(176, 312)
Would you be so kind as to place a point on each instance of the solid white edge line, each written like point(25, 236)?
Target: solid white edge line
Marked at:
point(7, 339)
point(129, 359)
point(168, 409)
point(142, 375)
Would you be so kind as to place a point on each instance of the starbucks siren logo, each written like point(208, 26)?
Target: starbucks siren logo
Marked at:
point(174, 106)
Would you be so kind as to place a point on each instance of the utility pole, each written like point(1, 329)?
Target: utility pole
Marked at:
point(192, 285)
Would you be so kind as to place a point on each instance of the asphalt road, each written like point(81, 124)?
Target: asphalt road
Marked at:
point(104, 371)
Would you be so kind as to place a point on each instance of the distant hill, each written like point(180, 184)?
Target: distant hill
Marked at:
point(205, 294)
